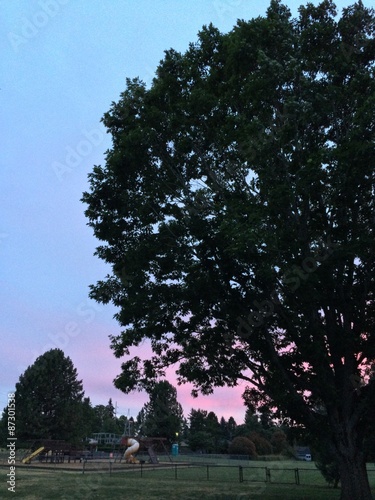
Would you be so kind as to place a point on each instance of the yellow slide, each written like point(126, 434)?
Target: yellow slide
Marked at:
point(35, 453)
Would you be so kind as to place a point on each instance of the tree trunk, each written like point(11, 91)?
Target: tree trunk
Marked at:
point(354, 479)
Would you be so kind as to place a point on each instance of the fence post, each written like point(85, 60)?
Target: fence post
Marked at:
point(296, 474)
point(208, 472)
point(240, 471)
point(175, 471)
point(268, 475)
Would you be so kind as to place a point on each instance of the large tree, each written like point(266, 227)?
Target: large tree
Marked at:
point(236, 208)
point(49, 400)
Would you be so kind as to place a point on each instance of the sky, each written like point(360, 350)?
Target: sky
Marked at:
point(63, 62)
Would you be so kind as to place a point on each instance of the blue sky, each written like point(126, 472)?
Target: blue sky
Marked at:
point(62, 64)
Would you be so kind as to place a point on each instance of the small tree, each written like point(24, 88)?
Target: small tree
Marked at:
point(111, 409)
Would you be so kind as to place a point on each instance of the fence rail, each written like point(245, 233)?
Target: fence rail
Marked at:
point(275, 473)
point(241, 473)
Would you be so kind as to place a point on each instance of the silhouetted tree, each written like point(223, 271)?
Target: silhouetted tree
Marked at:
point(49, 400)
point(162, 416)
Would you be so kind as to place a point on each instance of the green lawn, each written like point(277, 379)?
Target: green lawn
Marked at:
point(60, 485)
point(214, 483)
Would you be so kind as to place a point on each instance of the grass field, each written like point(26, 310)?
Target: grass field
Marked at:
point(127, 482)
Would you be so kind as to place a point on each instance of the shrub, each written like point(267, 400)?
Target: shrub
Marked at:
point(262, 445)
point(279, 441)
point(328, 466)
point(242, 446)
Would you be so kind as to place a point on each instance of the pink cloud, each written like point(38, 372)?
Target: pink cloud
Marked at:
point(224, 402)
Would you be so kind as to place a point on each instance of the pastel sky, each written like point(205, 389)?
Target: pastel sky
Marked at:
point(62, 64)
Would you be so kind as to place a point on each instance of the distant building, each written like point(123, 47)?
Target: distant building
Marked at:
point(107, 438)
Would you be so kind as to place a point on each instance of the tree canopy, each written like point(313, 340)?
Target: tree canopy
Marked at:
point(236, 208)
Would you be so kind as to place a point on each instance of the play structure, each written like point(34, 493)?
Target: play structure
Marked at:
point(27, 459)
point(129, 446)
point(132, 448)
point(54, 451)
point(126, 449)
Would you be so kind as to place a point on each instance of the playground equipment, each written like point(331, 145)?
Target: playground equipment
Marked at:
point(27, 460)
point(132, 448)
point(54, 451)
point(149, 443)
point(142, 444)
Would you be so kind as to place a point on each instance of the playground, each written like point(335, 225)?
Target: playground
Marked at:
point(58, 451)
point(140, 467)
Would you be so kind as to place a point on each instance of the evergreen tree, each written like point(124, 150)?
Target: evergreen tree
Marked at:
point(162, 416)
point(49, 400)
point(111, 410)
point(105, 420)
point(204, 431)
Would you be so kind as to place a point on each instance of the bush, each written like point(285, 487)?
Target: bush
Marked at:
point(262, 445)
point(328, 466)
point(279, 441)
point(242, 446)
